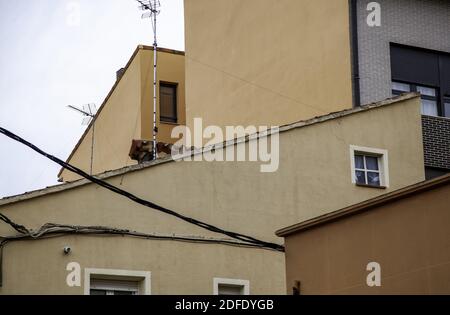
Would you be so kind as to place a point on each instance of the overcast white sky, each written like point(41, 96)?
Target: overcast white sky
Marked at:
point(48, 60)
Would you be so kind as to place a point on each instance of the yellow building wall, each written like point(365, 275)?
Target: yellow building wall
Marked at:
point(314, 178)
point(265, 62)
point(171, 69)
point(127, 113)
point(176, 268)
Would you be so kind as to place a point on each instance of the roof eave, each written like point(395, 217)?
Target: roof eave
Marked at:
point(364, 206)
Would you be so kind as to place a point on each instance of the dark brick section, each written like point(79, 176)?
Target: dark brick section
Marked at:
point(436, 141)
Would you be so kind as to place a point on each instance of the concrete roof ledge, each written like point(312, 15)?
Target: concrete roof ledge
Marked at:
point(128, 169)
point(346, 112)
point(81, 182)
point(365, 205)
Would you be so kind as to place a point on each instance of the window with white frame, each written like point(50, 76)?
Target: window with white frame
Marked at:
point(116, 282)
point(231, 287)
point(369, 166)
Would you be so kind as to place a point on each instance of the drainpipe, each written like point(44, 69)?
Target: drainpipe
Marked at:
point(353, 4)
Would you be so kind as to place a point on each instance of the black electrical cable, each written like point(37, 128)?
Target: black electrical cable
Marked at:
point(52, 229)
point(19, 228)
point(209, 227)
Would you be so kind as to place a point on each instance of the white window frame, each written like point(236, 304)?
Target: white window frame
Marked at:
point(142, 277)
point(232, 282)
point(383, 163)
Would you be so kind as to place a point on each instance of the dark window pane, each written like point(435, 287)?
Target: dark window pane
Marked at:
point(414, 65)
point(360, 177)
point(373, 179)
point(168, 103)
point(359, 161)
point(372, 163)
point(230, 290)
point(431, 172)
point(447, 109)
point(98, 292)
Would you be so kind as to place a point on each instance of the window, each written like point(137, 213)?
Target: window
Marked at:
point(429, 96)
point(231, 287)
point(114, 287)
point(367, 170)
point(369, 167)
point(168, 102)
point(425, 71)
point(116, 282)
point(447, 107)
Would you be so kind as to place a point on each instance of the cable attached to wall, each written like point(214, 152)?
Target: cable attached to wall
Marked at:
point(50, 230)
point(54, 230)
point(104, 184)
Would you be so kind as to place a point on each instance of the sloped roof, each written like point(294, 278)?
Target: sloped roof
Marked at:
point(136, 51)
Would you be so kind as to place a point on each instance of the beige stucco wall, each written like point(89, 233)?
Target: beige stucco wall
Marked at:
point(176, 268)
point(313, 178)
point(263, 62)
point(128, 113)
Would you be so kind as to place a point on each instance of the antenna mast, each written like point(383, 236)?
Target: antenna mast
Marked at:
point(153, 9)
point(88, 112)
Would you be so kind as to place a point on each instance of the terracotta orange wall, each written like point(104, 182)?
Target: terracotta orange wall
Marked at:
point(409, 238)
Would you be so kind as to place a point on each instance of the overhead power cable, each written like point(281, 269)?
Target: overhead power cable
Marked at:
point(132, 197)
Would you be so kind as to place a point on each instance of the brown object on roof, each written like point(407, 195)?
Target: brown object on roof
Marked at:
point(142, 150)
point(365, 206)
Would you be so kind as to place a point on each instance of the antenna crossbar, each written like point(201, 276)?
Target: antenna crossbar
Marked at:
point(81, 111)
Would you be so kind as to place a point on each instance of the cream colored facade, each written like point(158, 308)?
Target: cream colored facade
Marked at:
point(263, 62)
point(314, 178)
point(127, 113)
point(242, 67)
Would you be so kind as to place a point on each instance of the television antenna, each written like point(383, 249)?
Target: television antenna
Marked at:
point(88, 111)
point(152, 10)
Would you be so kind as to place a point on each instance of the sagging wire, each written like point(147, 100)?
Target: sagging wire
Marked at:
point(241, 237)
point(49, 230)
point(19, 228)
point(53, 229)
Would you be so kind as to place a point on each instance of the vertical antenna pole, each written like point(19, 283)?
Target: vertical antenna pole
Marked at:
point(92, 148)
point(155, 78)
point(153, 7)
